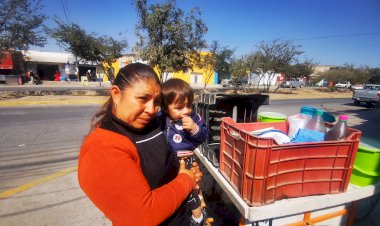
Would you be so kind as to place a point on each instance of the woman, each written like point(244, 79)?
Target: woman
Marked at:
point(125, 166)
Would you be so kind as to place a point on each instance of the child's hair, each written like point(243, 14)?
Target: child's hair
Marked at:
point(176, 90)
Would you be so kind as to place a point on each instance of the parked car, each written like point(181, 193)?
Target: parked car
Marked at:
point(343, 85)
point(293, 83)
point(241, 81)
point(370, 94)
point(226, 82)
point(357, 86)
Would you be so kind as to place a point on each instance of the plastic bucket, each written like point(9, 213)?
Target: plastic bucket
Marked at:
point(272, 117)
point(327, 117)
point(366, 169)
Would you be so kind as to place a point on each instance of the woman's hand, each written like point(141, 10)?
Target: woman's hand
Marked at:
point(194, 173)
point(197, 173)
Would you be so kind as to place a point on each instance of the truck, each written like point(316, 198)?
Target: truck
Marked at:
point(370, 94)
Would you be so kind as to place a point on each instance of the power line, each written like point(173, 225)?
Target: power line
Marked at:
point(336, 36)
point(67, 10)
point(308, 38)
point(64, 10)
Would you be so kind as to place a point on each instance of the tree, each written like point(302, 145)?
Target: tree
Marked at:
point(20, 25)
point(224, 58)
point(168, 39)
point(217, 60)
point(207, 62)
point(349, 73)
point(374, 75)
point(92, 47)
point(298, 70)
point(274, 57)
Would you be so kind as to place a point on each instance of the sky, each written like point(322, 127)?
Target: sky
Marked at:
point(330, 32)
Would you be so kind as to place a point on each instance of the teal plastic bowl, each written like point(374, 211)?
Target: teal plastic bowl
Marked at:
point(311, 111)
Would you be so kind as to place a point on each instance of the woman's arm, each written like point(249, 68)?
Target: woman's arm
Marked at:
point(113, 180)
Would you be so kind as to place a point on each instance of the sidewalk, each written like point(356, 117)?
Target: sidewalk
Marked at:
point(57, 202)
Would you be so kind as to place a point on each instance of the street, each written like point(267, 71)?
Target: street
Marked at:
point(39, 141)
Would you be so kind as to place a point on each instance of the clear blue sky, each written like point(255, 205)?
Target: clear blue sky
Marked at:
point(330, 32)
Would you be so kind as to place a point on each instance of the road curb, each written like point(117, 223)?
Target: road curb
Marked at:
point(48, 102)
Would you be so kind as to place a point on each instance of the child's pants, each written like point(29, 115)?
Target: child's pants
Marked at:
point(193, 200)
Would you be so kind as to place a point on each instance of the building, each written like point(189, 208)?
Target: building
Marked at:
point(197, 76)
point(46, 64)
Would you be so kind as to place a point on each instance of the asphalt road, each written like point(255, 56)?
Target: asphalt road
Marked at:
point(37, 141)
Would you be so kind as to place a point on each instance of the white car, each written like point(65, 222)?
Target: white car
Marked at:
point(345, 85)
point(357, 86)
point(226, 82)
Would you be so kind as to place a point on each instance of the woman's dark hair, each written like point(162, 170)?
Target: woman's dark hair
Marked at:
point(126, 77)
point(176, 90)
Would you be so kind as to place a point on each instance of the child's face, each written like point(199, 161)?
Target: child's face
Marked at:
point(177, 111)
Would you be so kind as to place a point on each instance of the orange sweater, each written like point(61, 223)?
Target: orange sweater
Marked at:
point(109, 173)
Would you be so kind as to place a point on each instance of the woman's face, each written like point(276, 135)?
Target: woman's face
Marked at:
point(138, 104)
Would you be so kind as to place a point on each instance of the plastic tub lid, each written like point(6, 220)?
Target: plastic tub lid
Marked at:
point(273, 115)
point(311, 111)
point(369, 144)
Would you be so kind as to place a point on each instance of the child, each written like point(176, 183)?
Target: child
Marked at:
point(184, 131)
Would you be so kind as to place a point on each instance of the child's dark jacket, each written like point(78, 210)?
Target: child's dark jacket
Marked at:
point(179, 139)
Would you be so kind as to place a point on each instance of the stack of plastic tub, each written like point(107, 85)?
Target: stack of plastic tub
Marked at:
point(213, 106)
point(367, 163)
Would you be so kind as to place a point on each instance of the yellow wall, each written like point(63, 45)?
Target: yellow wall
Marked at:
point(181, 75)
point(116, 68)
point(205, 72)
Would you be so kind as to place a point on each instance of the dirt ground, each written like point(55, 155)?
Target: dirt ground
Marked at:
point(7, 98)
point(307, 93)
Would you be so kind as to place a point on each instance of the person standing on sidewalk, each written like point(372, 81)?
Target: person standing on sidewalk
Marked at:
point(125, 166)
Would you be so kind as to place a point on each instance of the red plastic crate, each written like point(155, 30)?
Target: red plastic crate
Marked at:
point(262, 171)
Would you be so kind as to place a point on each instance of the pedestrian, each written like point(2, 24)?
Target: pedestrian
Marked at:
point(184, 131)
point(57, 75)
point(125, 166)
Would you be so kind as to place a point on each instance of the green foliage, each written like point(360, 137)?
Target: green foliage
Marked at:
point(102, 50)
point(219, 60)
point(168, 39)
point(239, 68)
point(374, 75)
point(18, 63)
point(224, 58)
point(21, 25)
point(298, 70)
point(347, 73)
point(271, 58)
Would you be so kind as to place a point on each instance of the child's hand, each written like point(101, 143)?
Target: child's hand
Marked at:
point(188, 124)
